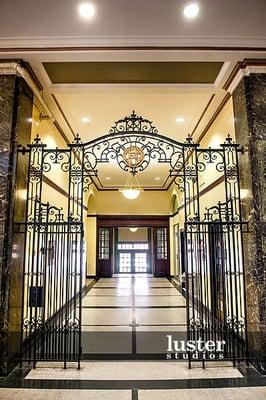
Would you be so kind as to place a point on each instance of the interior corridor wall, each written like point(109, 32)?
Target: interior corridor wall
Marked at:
point(113, 203)
point(216, 135)
point(55, 182)
point(148, 203)
point(90, 227)
point(50, 136)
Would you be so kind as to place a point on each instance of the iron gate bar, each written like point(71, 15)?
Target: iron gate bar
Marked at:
point(214, 310)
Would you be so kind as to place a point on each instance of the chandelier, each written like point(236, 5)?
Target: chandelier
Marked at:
point(132, 189)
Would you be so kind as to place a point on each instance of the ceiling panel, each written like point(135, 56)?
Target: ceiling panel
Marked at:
point(104, 107)
point(132, 72)
point(111, 176)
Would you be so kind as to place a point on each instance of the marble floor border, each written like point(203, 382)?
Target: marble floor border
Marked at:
point(250, 378)
point(133, 394)
point(125, 357)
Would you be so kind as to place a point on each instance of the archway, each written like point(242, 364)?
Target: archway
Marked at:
point(174, 204)
point(54, 237)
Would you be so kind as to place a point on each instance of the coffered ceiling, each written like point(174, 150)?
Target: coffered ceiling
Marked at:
point(133, 72)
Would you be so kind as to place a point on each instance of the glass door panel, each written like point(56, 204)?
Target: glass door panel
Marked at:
point(140, 262)
point(133, 262)
point(125, 262)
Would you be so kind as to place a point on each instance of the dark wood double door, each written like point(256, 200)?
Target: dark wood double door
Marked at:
point(154, 259)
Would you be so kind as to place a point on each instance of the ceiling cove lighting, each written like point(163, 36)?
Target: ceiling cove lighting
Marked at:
point(191, 10)
point(86, 10)
point(133, 229)
point(132, 188)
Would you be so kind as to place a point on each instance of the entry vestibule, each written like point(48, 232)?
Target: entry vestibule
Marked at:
point(188, 165)
point(132, 250)
point(119, 250)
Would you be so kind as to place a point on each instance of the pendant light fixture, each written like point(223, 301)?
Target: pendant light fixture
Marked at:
point(133, 229)
point(132, 188)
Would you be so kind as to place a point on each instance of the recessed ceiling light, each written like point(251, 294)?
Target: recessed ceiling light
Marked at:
point(86, 10)
point(157, 178)
point(191, 10)
point(86, 120)
point(108, 178)
point(179, 119)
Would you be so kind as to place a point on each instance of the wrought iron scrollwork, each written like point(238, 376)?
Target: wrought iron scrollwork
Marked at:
point(212, 236)
point(133, 123)
point(146, 147)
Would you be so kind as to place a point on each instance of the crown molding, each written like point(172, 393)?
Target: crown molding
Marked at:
point(250, 69)
point(244, 68)
point(77, 43)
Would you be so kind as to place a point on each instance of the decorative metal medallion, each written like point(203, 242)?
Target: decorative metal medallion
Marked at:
point(133, 156)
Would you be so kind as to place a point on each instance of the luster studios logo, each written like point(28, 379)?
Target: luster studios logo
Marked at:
point(199, 349)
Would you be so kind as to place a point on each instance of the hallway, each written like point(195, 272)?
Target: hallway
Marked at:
point(125, 321)
point(128, 317)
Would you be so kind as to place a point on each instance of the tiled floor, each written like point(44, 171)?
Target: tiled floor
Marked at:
point(126, 318)
point(253, 393)
point(140, 307)
point(134, 371)
point(61, 394)
point(256, 393)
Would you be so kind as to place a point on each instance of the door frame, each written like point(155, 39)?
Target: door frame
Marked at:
point(133, 253)
point(142, 221)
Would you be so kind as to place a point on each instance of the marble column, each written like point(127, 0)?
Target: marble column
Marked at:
point(249, 100)
point(16, 102)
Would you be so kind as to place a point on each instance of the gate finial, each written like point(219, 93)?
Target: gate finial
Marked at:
point(228, 139)
point(77, 139)
point(37, 140)
point(133, 123)
point(189, 139)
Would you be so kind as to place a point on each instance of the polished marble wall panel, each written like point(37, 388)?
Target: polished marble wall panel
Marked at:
point(249, 100)
point(16, 102)
point(7, 91)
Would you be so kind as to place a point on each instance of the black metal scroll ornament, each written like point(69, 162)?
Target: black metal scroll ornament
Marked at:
point(133, 123)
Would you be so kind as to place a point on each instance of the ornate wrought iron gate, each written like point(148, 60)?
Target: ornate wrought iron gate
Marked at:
point(215, 279)
point(53, 262)
point(53, 259)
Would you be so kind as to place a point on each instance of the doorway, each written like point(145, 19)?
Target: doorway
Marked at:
point(133, 250)
point(115, 235)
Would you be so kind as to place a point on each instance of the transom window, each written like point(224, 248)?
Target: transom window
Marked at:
point(132, 246)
